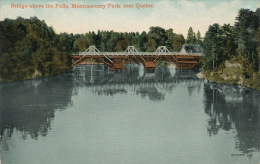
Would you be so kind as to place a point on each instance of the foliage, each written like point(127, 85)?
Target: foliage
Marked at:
point(245, 64)
point(164, 63)
point(246, 27)
point(225, 42)
point(255, 81)
point(110, 41)
point(29, 46)
point(178, 42)
point(239, 43)
point(214, 46)
point(198, 38)
point(170, 37)
point(193, 38)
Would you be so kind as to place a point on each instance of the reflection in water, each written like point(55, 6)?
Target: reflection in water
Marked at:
point(229, 107)
point(29, 106)
point(109, 123)
point(135, 79)
point(36, 100)
point(233, 107)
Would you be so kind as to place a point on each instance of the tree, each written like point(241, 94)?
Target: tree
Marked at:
point(229, 45)
point(198, 38)
point(121, 45)
point(28, 46)
point(142, 42)
point(246, 25)
point(178, 42)
point(169, 41)
point(65, 42)
point(84, 41)
point(156, 37)
point(191, 38)
point(111, 42)
point(214, 46)
point(151, 45)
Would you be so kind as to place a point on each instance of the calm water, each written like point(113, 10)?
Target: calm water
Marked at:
point(98, 116)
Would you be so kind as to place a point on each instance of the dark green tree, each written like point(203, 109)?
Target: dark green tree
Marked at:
point(229, 45)
point(156, 37)
point(84, 41)
point(214, 47)
point(169, 41)
point(198, 38)
point(191, 38)
point(178, 42)
point(142, 41)
point(28, 48)
point(246, 26)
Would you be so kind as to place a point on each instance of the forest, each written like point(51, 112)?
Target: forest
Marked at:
point(30, 48)
point(232, 51)
point(111, 41)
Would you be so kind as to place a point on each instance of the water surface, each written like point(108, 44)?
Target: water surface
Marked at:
point(94, 115)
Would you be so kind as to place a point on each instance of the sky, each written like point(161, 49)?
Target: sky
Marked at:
point(176, 14)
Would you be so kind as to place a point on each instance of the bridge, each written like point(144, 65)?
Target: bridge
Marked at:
point(118, 60)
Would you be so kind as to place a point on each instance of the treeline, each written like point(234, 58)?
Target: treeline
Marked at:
point(145, 42)
point(234, 43)
point(29, 48)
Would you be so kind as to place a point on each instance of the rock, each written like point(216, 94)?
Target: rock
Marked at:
point(224, 76)
point(200, 75)
point(36, 73)
point(228, 64)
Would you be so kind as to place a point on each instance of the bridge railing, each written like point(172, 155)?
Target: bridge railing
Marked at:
point(135, 53)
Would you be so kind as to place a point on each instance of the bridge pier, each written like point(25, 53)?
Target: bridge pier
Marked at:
point(148, 65)
point(118, 64)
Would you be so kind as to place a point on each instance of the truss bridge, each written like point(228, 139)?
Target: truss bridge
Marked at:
point(118, 60)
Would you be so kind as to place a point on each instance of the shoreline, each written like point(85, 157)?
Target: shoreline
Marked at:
point(36, 77)
point(202, 75)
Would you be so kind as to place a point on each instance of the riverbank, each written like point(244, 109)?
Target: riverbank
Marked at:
point(234, 74)
point(36, 75)
point(250, 83)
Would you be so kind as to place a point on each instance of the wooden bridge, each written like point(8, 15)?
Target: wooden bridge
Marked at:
point(117, 60)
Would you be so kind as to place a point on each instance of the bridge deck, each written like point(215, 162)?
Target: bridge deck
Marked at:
point(137, 53)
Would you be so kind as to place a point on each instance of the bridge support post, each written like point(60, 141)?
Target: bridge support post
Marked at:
point(118, 64)
point(149, 65)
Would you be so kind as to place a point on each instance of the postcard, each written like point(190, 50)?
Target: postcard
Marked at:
point(129, 81)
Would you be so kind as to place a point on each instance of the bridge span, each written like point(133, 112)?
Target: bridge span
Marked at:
point(117, 60)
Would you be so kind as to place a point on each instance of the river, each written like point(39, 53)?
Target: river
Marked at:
point(94, 115)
